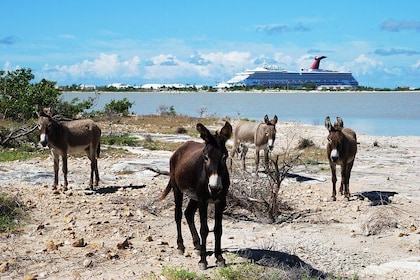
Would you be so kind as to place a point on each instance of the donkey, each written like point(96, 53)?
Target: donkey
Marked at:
point(70, 137)
point(262, 135)
point(341, 150)
point(199, 170)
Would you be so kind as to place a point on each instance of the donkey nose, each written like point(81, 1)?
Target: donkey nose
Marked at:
point(43, 140)
point(215, 182)
point(334, 155)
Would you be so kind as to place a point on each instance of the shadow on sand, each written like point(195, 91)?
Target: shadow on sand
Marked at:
point(277, 259)
point(376, 197)
point(113, 189)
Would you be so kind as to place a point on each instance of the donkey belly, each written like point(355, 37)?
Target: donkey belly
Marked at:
point(77, 149)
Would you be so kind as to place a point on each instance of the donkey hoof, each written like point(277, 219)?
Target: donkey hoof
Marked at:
point(333, 198)
point(221, 263)
point(180, 252)
point(202, 265)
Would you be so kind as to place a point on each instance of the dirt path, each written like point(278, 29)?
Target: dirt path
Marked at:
point(127, 235)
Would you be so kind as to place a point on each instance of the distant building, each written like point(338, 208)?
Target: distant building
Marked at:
point(118, 85)
point(87, 87)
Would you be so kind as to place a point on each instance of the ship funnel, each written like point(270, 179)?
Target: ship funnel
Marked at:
point(315, 64)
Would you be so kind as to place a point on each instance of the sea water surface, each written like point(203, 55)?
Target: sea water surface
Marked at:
point(373, 113)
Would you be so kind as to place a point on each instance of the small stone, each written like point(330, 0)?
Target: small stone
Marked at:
point(79, 243)
point(4, 267)
point(87, 263)
point(51, 246)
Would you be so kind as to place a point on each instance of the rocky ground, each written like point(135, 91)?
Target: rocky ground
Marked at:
point(120, 231)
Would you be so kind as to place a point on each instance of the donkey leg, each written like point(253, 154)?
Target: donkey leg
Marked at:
point(218, 230)
point(343, 178)
point(204, 232)
point(178, 216)
point(189, 215)
point(56, 159)
point(334, 181)
point(65, 170)
point(266, 160)
point(96, 172)
point(347, 182)
point(257, 159)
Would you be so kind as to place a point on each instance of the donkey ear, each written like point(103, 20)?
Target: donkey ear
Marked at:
point(328, 123)
point(266, 119)
point(226, 132)
point(340, 122)
point(275, 119)
point(204, 133)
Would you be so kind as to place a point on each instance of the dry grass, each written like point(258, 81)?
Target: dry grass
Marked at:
point(156, 124)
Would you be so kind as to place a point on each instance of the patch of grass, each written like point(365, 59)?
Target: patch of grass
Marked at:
point(24, 152)
point(158, 124)
point(11, 213)
point(126, 140)
point(172, 273)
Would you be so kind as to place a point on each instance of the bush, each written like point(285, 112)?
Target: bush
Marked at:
point(10, 213)
point(118, 107)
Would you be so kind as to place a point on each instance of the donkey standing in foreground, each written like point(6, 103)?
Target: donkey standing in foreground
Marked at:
point(262, 135)
point(199, 170)
point(70, 137)
point(341, 150)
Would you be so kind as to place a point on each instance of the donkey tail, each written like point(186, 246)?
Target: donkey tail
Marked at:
point(98, 150)
point(165, 192)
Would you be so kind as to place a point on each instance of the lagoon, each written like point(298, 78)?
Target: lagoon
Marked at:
point(373, 113)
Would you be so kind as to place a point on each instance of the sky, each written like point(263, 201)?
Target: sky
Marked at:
point(205, 42)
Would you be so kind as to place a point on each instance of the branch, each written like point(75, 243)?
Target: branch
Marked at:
point(14, 134)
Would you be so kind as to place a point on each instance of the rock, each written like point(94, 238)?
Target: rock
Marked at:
point(51, 246)
point(4, 267)
point(30, 277)
point(79, 243)
point(87, 263)
point(124, 245)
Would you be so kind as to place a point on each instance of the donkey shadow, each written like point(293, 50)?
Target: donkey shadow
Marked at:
point(113, 189)
point(376, 197)
point(277, 259)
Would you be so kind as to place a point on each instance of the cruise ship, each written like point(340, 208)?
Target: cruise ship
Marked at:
point(312, 77)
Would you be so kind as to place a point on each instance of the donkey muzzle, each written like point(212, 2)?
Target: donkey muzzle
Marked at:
point(215, 183)
point(334, 155)
point(43, 140)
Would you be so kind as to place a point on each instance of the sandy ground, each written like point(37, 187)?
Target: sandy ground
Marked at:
point(121, 232)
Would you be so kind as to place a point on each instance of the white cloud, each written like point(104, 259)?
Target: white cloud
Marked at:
point(167, 67)
point(107, 66)
point(363, 65)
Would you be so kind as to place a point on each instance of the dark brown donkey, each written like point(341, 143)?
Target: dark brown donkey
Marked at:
point(70, 137)
point(341, 150)
point(199, 170)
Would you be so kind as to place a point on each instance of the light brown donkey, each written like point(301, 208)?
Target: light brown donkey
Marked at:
point(64, 137)
point(262, 135)
point(341, 150)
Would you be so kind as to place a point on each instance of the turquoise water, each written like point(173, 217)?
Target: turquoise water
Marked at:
point(385, 113)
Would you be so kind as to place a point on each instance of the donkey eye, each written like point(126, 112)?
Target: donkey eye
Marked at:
point(206, 158)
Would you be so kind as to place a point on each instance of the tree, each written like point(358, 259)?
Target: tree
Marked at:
point(118, 107)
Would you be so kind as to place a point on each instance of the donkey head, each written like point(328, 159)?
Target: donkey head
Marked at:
point(45, 125)
point(335, 138)
point(270, 131)
point(214, 157)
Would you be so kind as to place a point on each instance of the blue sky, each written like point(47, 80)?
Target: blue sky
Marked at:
point(205, 42)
